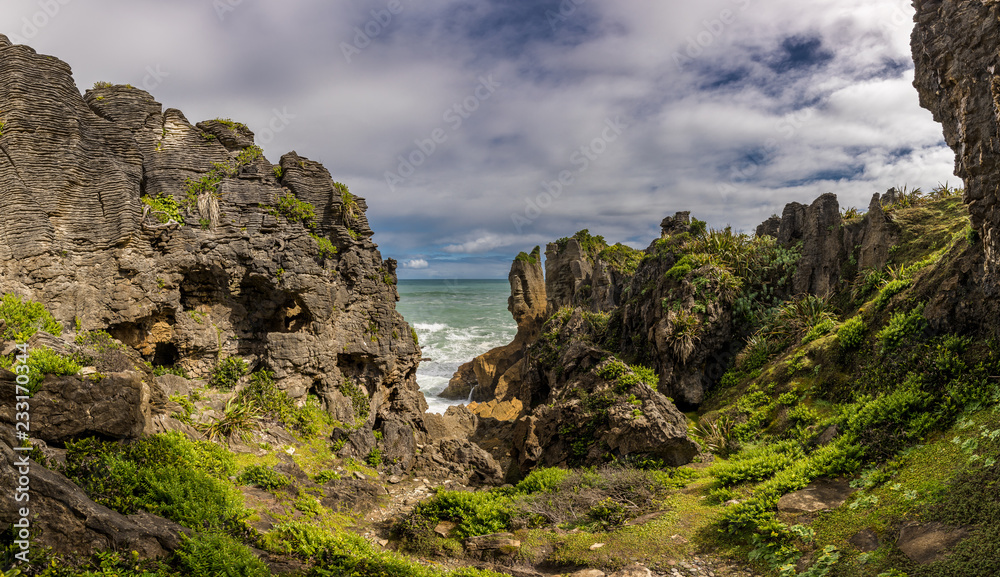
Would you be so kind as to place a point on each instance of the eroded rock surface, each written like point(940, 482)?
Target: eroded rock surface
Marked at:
point(954, 47)
point(237, 278)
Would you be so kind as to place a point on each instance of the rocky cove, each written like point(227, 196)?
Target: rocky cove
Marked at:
point(207, 348)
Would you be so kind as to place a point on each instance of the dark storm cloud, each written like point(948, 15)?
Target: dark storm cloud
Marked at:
point(728, 108)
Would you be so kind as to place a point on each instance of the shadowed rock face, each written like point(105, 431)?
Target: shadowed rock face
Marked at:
point(236, 279)
point(955, 46)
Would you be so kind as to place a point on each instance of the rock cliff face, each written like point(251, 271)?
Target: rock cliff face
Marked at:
point(243, 275)
point(955, 48)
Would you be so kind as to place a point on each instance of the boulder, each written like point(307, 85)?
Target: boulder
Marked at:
point(115, 406)
point(925, 543)
point(818, 496)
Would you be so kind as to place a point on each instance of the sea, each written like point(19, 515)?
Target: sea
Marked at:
point(456, 321)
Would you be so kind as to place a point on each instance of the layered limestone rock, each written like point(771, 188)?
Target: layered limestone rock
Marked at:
point(955, 46)
point(241, 276)
point(828, 242)
point(574, 278)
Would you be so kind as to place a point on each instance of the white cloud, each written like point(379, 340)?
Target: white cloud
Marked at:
point(416, 264)
point(712, 137)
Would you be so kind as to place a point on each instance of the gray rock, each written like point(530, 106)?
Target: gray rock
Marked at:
point(928, 542)
point(954, 47)
point(233, 280)
point(115, 406)
point(865, 541)
point(818, 496)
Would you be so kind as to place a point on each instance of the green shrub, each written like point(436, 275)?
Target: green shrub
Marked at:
point(325, 247)
point(44, 361)
point(543, 480)
point(24, 318)
point(758, 464)
point(622, 258)
point(349, 207)
point(167, 474)
point(164, 208)
point(228, 372)
point(239, 419)
point(901, 326)
point(211, 554)
point(102, 84)
point(359, 400)
point(188, 496)
point(228, 123)
point(295, 210)
point(264, 478)
point(821, 329)
point(851, 334)
point(477, 513)
point(679, 271)
point(161, 370)
point(891, 289)
point(532, 258)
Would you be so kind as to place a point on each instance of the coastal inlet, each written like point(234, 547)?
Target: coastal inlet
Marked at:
point(456, 321)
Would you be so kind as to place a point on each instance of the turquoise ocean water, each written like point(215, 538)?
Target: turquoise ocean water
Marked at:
point(456, 320)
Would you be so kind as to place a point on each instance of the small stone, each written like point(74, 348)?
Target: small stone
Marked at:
point(444, 528)
point(395, 479)
point(596, 546)
point(360, 475)
point(588, 573)
point(382, 542)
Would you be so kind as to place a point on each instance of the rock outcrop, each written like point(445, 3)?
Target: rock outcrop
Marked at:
point(69, 522)
point(954, 47)
point(249, 272)
point(829, 241)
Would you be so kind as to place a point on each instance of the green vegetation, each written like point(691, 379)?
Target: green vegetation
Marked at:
point(209, 183)
point(43, 361)
point(325, 247)
point(228, 372)
point(533, 258)
point(228, 123)
point(24, 318)
point(102, 84)
point(349, 207)
point(263, 477)
point(592, 246)
point(621, 258)
point(294, 210)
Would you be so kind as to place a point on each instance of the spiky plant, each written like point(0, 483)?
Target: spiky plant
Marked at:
point(682, 333)
point(239, 420)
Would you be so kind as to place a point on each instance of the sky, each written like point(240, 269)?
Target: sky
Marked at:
point(477, 129)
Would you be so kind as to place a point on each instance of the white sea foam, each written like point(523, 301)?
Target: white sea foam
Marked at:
point(454, 324)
